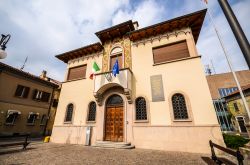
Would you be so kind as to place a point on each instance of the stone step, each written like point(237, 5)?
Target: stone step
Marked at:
point(118, 145)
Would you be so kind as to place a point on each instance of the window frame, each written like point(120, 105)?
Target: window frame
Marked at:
point(34, 119)
point(68, 71)
point(91, 121)
point(38, 95)
point(115, 54)
point(23, 95)
point(147, 111)
point(188, 121)
point(236, 107)
point(72, 116)
point(43, 120)
point(14, 119)
point(173, 60)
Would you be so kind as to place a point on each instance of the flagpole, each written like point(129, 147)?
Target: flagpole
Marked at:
point(230, 65)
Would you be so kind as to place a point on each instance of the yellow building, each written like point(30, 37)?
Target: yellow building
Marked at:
point(26, 102)
point(235, 105)
point(159, 100)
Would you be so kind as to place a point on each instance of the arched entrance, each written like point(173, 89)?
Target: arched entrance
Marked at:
point(114, 119)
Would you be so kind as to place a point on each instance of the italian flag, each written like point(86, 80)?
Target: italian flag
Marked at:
point(95, 68)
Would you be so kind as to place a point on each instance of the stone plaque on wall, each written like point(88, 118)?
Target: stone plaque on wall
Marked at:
point(157, 91)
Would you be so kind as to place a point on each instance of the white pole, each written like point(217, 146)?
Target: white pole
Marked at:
point(230, 65)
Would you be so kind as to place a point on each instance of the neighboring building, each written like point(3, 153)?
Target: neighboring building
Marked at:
point(53, 105)
point(159, 100)
point(221, 85)
point(237, 109)
point(25, 101)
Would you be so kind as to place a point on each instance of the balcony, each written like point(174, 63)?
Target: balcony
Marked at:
point(104, 81)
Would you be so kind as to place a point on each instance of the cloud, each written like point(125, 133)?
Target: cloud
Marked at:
point(42, 29)
point(147, 13)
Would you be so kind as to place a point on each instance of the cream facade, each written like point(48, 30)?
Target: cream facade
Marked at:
point(159, 129)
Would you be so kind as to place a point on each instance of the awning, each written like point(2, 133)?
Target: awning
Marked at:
point(11, 112)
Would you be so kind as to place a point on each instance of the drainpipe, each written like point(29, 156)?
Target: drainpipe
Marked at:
point(48, 115)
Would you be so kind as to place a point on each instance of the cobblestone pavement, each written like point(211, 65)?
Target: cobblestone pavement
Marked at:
point(49, 153)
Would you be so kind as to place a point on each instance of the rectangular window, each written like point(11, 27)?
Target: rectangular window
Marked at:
point(41, 96)
point(113, 60)
point(55, 103)
point(22, 91)
point(43, 120)
point(236, 108)
point(11, 117)
point(77, 72)
point(170, 52)
point(31, 118)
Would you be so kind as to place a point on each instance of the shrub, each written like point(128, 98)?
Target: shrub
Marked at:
point(234, 141)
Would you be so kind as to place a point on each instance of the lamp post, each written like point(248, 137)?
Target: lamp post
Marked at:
point(4, 40)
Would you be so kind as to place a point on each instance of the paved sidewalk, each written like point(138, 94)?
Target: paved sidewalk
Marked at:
point(49, 153)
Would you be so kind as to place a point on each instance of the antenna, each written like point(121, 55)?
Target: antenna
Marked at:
point(26, 59)
point(208, 70)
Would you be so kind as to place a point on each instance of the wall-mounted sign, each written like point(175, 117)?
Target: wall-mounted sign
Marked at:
point(157, 91)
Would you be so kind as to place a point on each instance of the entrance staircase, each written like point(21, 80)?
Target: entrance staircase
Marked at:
point(116, 145)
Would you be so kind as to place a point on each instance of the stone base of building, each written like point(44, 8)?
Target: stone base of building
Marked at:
point(194, 139)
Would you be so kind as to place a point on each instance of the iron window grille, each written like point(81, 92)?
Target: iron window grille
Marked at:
point(92, 111)
point(69, 113)
point(141, 109)
point(179, 106)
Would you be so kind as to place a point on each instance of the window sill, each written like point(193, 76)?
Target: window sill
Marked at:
point(30, 124)
point(90, 122)
point(176, 60)
point(182, 120)
point(20, 97)
point(74, 80)
point(9, 124)
point(141, 121)
point(67, 122)
point(40, 101)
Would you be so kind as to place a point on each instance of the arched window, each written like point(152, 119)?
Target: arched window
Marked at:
point(116, 53)
point(114, 100)
point(69, 112)
point(141, 109)
point(92, 111)
point(179, 106)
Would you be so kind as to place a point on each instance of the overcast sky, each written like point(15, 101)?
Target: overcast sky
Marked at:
point(41, 29)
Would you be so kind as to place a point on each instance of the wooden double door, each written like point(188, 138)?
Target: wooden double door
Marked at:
point(114, 124)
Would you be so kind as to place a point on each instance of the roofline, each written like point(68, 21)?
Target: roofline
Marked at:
point(174, 19)
point(114, 27)
point(87, 46)
point(5, 67)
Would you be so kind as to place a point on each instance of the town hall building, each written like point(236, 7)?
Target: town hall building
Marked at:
point(159, 99)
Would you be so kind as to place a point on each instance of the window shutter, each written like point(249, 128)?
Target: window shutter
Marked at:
point(34, 94)
point(77, 72)
point(26, 92)
point(170, 52)
point(19, 90)
point(45, 97)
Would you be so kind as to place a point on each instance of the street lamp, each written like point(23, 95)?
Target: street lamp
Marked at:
point(3, 42)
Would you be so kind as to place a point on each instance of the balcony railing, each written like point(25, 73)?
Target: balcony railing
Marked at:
point(104, 81)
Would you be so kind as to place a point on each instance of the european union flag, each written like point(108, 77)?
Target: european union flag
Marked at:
point(115, 68)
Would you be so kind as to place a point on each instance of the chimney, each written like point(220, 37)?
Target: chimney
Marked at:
point(136, 25)
point(43, 75)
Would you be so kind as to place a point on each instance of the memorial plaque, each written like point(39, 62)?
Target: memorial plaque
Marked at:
point(157, 91)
